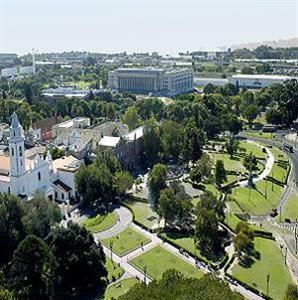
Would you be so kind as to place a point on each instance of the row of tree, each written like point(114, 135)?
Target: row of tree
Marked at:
point(42, 260)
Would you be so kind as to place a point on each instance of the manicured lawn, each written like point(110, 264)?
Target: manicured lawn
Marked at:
point(100, 222)
point(232, 215)
point(211, 188)
point(279, 172)
point(234, 164)
point(114, 271)
point(143, 213)
point(279, 154)
point(115, 290)
point(126, 241)
point(290, 209)
point(246, 147)
point(270, 262)
point(253, 201)
point(158, 260)
point(260, 134)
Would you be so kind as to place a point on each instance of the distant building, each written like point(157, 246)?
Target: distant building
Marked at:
point(165, 82)
point(65, 91)
point(257, 81)
point(9, 72)
point(128, 148)
point(201, 81)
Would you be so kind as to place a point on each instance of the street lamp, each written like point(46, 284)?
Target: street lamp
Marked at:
point(111, 247)
point(266, 187)
point(296, 237)
point(267, 280)
point(145, 272)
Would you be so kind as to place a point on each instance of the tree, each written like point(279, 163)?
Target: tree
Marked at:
point(210, 202)
point(291, 292)
point(206, 230)
point(243, 241)
point(175, 286)
point(209, 89)
point(232, 146)
point(81, 262)
point(170, 135)
point(32, 270)
point(193, 140)
point(250, 162)
point(157, 182)
point(195, 175)
point(123, 182)
point(220, 173)
point(166, 207)
point(11, 225)
point(250, 113)
point(40, 215)
point(152, 142)
point(204, 164)
point(131, 118)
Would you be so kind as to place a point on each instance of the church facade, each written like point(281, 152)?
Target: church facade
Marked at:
point(22, 176)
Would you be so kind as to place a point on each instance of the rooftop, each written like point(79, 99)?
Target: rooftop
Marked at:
point(263, 76)
point(109, 141)
point(66, 163)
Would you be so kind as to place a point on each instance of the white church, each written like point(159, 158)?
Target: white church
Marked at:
point(23, 175)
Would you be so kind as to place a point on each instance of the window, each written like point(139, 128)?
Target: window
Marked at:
point(62, 196)
point(12, 151)
point(20, 151)
point(39, 176)
point(56, 195)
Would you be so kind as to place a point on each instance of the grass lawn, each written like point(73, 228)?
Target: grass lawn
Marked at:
point(246, 147)
point(82, 85)
point(290, 209)
point(260, 134)
point(280, 171)
point(234, 164)
point(158, 260)
point(114, 271)
point(211, 188)
point(233, 214)
point(256, 203)
point(100, 222)
point(126, 241)
point(143, 213)
point(279, 155)
point(270, 262)
point(115, 290)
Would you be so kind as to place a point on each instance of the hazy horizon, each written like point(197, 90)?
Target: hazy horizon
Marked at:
point(166, 26)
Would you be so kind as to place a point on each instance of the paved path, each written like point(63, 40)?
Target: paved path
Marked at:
point(267, 169)
point(124, 220)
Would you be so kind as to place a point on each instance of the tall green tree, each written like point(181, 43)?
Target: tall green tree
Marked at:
point(123, 182)
point(152, 142)
point(81, 262)
point(157, 182)
point(11, 225)
point(131, 118)
point(232, 146)
point(220, 173)
point(32, 272)
point(40, 215)
point(170, 135)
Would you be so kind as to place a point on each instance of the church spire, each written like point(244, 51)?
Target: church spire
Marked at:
point(16, 130)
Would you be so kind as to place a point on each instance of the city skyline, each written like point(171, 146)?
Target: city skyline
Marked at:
point(142, 26)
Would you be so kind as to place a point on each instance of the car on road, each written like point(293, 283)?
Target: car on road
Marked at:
point(274, 213)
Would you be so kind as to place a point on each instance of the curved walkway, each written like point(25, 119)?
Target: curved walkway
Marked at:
point(125, 218)
point(267, 169)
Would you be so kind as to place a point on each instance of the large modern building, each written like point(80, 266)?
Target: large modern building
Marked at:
point(257, 81)
point(163, 82)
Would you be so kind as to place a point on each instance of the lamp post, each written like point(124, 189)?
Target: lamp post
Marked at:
point(267, 281)
point(145, 272)
point(111, 247)
point(296, 238)
point(266, 179)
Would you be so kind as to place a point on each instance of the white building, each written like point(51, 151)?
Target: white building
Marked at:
point(167, 82)
point(22, 174)
point(9, 72)
point(257, 81)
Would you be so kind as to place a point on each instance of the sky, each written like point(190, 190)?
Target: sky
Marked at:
point(166, 26)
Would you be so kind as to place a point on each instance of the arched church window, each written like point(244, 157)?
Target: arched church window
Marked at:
point(20, 150)
point(39, 176)
point(14, 133)
point(12, 151)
